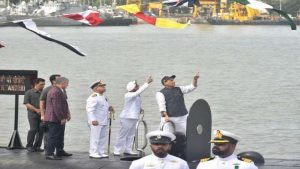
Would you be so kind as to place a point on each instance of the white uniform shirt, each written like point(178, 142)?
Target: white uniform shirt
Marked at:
point(132, 105)
point(226, 163)
point(97, 109)
point(154, 162)
point(160, 98)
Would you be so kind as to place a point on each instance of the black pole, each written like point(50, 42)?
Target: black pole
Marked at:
point(15, 141)
point(16, 112)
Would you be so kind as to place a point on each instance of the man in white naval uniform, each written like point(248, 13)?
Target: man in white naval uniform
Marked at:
point(160, 159)
point(171, 102)
point(98, 109)
point(129, 117)
point(224, 146)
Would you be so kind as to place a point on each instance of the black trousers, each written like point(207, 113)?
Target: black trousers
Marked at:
point(35, 135)
point(46, 134)
point(55, 138)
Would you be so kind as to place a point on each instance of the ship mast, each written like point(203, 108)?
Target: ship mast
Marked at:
point(280, 4)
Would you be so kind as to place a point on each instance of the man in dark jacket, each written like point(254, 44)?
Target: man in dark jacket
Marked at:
point(43, 99)
point(171, 104)
point(57, 114)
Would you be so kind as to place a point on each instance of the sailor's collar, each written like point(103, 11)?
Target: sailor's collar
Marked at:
point(232, 156)
point(160, 159)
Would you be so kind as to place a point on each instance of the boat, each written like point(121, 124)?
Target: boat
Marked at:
point(238, 14)
point(219, 21)
point(50, 14)
point(61, 21)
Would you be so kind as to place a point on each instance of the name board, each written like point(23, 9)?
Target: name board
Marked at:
point(16, 82)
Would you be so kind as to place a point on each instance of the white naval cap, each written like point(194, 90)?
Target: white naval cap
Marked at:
point(222, 136)
point(97, 83)
point(131, 85)
point(163, 137)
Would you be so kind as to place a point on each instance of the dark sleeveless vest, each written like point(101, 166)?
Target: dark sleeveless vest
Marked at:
point(174, 102)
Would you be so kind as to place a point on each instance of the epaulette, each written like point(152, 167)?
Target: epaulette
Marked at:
point(206, 159)
point(94, 95)
point(247, 160)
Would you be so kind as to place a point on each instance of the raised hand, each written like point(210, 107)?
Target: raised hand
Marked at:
point(150, 79)
point(197, 76)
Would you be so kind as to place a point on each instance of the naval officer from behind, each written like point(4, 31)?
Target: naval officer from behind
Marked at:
point(171, 104)
point(224, 146)
point(129, 116)
point(160, 159)
point(97, 108)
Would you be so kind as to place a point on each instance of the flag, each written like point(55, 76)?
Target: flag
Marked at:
point(158, 22)
point(1, 46)
point(88, 17)
point(260, 5)
point(166, 23)
point(31, 26)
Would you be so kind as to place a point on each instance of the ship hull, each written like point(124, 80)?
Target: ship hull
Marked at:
point(61, 21)
point(213, 21)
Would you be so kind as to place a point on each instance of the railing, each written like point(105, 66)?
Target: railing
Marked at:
point(136, 140)
point(165, 124)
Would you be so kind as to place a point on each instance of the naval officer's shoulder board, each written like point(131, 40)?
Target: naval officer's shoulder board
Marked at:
point(247, 160)
point(206, 159)
point(94, 95)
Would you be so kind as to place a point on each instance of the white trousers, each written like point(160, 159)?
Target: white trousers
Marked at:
point(126, 135)
point(98, 139)
point(179, 122)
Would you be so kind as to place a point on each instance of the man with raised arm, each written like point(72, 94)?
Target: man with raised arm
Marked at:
point(171, 104)
point(129, 117)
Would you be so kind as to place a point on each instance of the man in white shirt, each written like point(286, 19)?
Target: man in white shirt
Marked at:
point(171, 102)
point(129, 117)
point(224, 146)
point(97, 108)
point(160, 159)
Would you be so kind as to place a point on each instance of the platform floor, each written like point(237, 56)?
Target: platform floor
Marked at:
point(21, 159)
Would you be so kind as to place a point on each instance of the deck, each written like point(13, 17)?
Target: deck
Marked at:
point(21, 159)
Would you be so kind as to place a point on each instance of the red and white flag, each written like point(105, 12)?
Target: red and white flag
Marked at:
point(87, 17)
point(1, 46)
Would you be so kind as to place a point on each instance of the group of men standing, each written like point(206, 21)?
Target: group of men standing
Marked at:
point(48, 112)
point(49, 108)
point(171, 106)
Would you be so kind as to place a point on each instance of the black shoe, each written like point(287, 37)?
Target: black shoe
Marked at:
point(38, 150)
point(63, 153)
point(30, 149)
point(52, 157)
